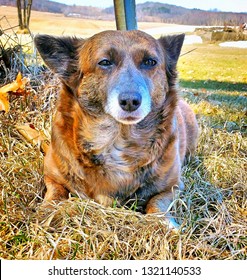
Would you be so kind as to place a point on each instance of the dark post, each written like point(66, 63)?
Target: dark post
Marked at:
point(125, 13)
point(130, 14)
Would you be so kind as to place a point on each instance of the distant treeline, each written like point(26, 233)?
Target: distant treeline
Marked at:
point(149, 11)
point(40, 5)
point(179, 15)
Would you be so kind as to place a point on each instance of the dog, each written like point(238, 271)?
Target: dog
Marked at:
point(120, 131)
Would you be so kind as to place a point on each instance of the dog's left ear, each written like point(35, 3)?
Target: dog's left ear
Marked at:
point(172, 45)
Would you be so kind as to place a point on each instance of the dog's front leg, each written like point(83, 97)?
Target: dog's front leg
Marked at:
point(161, 203)
point(55, 191)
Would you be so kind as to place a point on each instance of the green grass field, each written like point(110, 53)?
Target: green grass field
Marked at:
point(215, 79)
point(212, 210)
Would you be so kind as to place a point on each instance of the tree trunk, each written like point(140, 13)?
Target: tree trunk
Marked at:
point(24, 14)
point(18, 4)
point(29, 6)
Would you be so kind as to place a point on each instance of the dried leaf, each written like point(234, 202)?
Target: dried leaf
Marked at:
point(4, 102)
point(19, 83)
point(17, 87)
point(34, 136)
point(9, 87)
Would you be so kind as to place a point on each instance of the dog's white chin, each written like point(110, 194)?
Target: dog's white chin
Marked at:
point(130, 118)
point(129, 121)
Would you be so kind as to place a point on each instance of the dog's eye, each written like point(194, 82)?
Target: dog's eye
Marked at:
point(149, 62)
point(105, 63)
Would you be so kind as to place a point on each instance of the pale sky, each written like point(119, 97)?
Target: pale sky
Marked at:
point(223, 5)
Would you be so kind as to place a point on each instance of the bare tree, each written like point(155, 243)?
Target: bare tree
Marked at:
point(24, 14)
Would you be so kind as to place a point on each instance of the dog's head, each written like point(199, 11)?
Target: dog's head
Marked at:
point(120, 73)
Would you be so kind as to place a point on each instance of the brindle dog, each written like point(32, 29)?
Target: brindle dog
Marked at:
point(120, 131)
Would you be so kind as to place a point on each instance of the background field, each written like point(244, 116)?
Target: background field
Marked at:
point(58, 24)
point(212, 210)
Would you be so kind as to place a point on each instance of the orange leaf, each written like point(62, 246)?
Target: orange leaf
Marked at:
point(17, 87)
point(4, 102)
point(19, 83)
point(18, 78)
point(9, 87)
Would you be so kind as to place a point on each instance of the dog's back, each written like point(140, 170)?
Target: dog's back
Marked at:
point(187, 119)
point(120, 131)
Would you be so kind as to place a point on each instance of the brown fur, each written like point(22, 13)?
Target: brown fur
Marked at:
point(92, 153)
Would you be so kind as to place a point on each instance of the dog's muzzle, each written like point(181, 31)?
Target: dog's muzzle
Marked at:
point(129, 107)
point(128, 97)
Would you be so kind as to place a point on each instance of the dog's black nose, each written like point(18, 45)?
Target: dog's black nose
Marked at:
point(130, 101)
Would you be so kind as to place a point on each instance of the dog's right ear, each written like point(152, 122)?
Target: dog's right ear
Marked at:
point(59, 54)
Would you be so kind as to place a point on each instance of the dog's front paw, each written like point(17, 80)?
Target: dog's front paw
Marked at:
point(104, 200)
point(172, 224)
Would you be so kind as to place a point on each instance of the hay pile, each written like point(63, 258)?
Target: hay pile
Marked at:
point(212, 209)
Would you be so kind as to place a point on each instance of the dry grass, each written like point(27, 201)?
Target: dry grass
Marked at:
point(212, 210)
